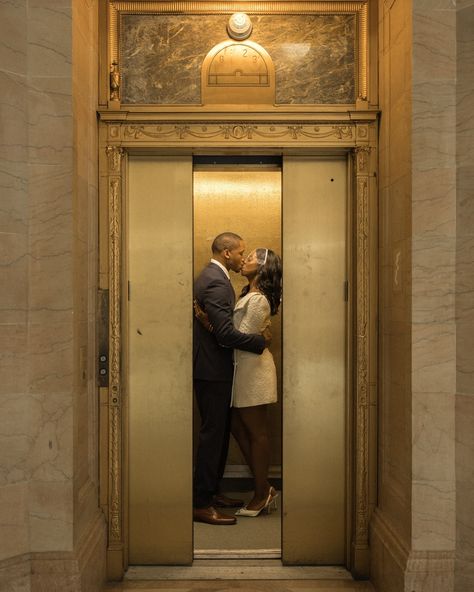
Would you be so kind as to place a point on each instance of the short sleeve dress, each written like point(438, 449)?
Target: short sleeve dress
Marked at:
point(255, 380)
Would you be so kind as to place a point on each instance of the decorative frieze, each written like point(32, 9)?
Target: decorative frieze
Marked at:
point(238, 132)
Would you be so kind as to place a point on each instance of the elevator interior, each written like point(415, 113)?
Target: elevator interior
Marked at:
point(297, 206)
point(243, 195)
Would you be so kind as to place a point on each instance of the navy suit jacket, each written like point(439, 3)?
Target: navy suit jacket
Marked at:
point(212, 352)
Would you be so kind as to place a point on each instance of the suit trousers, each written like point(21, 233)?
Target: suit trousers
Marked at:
point(213, 400)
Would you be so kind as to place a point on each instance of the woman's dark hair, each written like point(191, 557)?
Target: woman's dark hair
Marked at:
point(268, 278)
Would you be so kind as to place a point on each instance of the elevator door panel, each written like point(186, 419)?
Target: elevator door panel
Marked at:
point(160, 359)
point(314, 353)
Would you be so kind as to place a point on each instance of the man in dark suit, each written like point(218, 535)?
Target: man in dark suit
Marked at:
point(213, 374)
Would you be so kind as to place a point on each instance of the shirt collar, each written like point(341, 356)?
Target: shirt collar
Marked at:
point(219, 264)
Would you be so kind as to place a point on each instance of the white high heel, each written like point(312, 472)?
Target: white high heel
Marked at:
point(269, 506)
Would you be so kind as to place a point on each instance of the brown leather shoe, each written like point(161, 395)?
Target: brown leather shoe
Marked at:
point(222, 501)
point(212, 516)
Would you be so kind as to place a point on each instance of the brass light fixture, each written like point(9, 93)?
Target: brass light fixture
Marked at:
point(239, 26)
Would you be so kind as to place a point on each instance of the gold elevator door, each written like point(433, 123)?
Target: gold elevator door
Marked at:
point(313, 352)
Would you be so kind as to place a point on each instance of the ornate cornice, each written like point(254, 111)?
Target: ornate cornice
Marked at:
point(210, 7)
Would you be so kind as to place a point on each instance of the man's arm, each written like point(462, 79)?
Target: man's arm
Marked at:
point(218, 307)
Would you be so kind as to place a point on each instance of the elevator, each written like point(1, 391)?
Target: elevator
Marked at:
point(298, 206)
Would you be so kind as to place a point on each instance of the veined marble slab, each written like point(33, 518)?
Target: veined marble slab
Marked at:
point(162, 54)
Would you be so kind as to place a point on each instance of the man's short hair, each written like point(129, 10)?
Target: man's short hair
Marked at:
point(226, 240)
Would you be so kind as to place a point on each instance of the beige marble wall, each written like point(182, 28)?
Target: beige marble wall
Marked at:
point(433, 269)
point(50, 306)
point(392, 516)
point(84, 85)
point(464, 576)
point(414, 527)
point(16, 403)
point(48, 458)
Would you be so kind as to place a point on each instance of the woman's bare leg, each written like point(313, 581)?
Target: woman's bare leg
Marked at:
point(255, 421)
point(239, 431)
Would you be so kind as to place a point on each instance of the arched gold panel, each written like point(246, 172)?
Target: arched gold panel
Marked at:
point(238, 73)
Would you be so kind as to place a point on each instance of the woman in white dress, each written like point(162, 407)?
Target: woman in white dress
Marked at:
point(255, 382)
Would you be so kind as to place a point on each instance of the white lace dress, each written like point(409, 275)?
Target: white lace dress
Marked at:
point(255, 380)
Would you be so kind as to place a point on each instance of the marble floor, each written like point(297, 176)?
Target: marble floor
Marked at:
point(250, 537)
point(240, 576)
point(243, 586)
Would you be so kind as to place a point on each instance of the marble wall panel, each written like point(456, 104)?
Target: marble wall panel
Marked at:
point(433, 516)
point(398, 133)
point(464, 493)
point(14, 265)
point(49, 38)
point(434, 279)
point(433, 426)
point(465, 196)
point(17, 439)
point(432, 211)
point(51, 516)
point(398, 217)
point(433, 290)
point(465, 366)
point(394, 492)
point(85, 208)
point(464, 573)
point(13, 152)
point(434, 358)
point(49, 459)
point(15, 574)
point(434, 117)
point(434, 42)
point(14, 36)
point(13, 358)
point(50, 108)
point(314, 56)
point(13, 520)
point(392, 531)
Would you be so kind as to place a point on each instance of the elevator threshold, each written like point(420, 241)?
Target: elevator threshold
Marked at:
point(237, 553)
point(236, 569)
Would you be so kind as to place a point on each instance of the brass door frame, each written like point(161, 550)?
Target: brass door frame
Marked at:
point(353, 132)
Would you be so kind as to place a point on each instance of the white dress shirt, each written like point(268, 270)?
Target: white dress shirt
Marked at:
point(219, 264)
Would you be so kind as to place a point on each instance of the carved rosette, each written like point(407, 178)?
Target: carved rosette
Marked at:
point(361, 402)
point(115, 155)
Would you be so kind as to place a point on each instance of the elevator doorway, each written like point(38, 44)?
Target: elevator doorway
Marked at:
point(243, 195)
point(298, 207)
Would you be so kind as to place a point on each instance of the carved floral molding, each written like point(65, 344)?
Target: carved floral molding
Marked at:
point(234, 133)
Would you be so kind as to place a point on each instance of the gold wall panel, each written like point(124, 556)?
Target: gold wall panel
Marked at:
point(247, 202)
point(314, 360)
point(160, 359)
